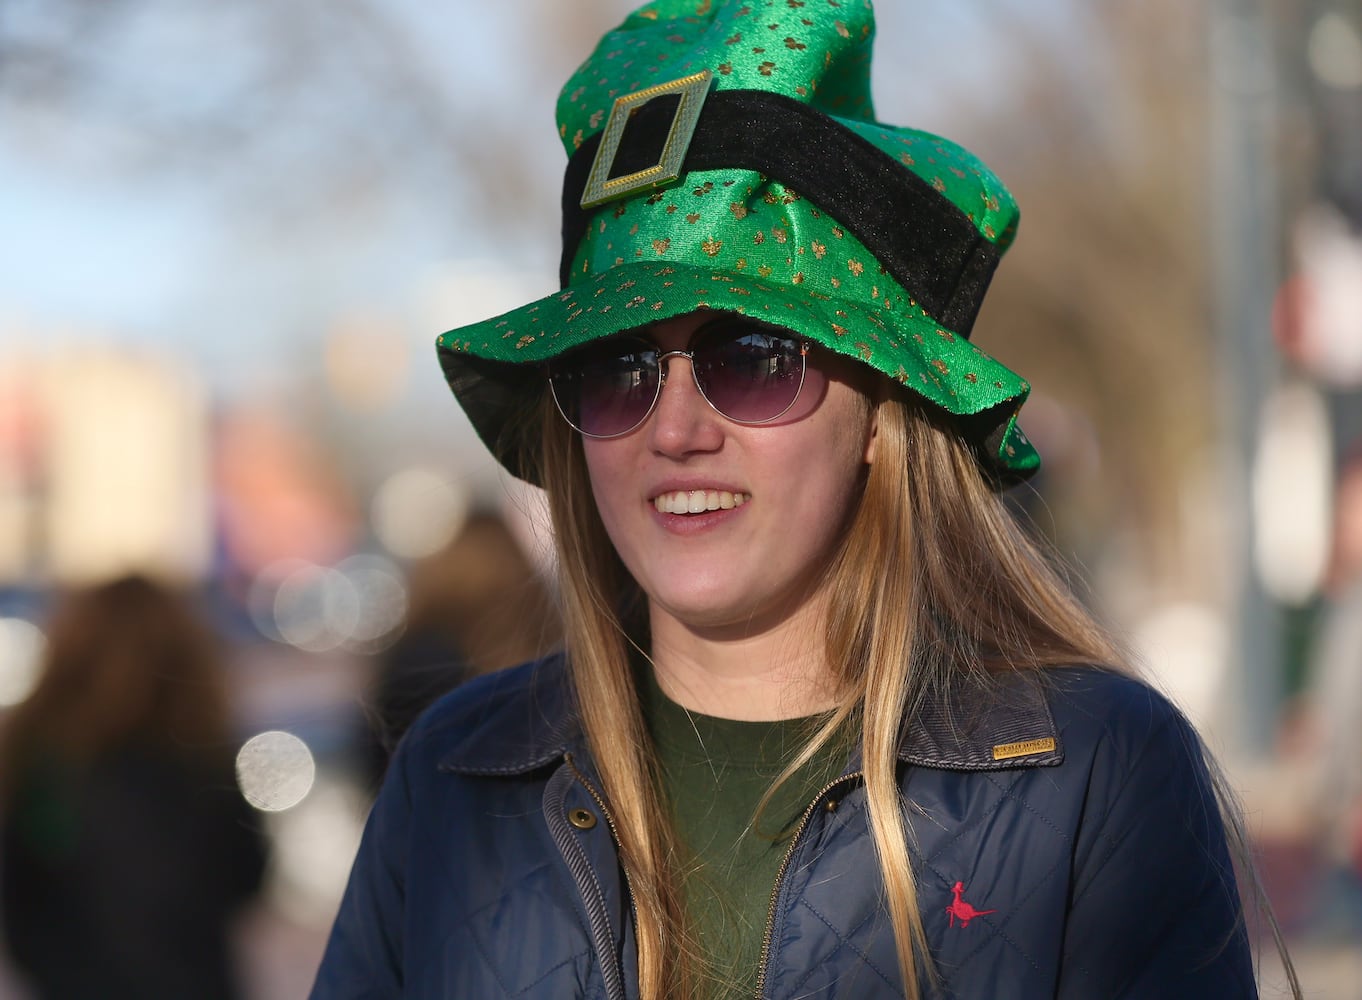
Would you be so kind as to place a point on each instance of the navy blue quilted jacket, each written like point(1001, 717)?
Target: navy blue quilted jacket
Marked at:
point(1065, 840)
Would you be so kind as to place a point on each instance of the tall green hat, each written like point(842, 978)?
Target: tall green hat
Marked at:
point(724, 154)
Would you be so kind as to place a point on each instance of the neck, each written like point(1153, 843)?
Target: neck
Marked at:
point(732, 672)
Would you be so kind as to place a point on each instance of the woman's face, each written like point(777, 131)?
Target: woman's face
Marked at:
point(784, 491)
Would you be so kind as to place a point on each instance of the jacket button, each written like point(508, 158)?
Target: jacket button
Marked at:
point(830, 805)
point(582, 819)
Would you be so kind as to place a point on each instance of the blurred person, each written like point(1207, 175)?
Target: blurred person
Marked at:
point(476, 606)
point(125, 848)
point(827, 722)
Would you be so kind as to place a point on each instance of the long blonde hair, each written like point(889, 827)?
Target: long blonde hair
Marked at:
point(962, 593)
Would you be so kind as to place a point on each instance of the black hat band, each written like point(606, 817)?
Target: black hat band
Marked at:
point(921, 239)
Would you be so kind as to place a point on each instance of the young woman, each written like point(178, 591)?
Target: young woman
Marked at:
point(826, 722)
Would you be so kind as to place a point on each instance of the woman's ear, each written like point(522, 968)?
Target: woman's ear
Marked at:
point(872, 429)
point(878, 392)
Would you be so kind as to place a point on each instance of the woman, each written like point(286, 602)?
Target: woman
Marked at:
point(125, 848)
point(826, 723)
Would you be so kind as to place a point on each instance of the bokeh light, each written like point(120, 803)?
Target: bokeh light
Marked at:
point(1334, 52)
point(417, 511)
point(261, 594)
point(382, 596)
point(366, 361)
point(275, 770)
point(357, 605)
point(21, 650)
point(316, 609)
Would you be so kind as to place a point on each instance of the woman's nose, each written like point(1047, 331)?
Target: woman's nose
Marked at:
point(683, 421)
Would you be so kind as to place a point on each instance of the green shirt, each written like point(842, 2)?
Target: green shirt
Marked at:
point(714, 773)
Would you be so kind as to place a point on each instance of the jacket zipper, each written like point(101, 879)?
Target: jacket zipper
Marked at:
point(614, 834)
point(780, 875)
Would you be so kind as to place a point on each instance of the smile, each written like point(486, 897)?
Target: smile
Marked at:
point(697, 501)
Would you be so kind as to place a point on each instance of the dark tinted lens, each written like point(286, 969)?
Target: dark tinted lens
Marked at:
point(748, 373)
point(607, 391)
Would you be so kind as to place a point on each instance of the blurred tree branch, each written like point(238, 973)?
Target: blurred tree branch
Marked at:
point(289, 110)
point(1104, 303)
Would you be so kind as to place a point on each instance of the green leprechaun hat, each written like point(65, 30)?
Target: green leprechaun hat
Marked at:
point(723, 154)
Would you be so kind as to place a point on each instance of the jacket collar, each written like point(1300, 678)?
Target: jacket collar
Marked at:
point(511, 722)
point(1004, 723)
point(519, 720)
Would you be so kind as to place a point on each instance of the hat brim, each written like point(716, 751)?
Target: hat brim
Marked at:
point(495, 367)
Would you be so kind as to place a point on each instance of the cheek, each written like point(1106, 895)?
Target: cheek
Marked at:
point(838, 472)
point(820, 478)
point(606, 467)
point(835, 491)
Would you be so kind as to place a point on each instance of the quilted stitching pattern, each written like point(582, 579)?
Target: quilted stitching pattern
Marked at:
point(944, 861)
point(999, 922)
point(519, 936)
point(489, 909)
point(949, 847)
point(845, 942)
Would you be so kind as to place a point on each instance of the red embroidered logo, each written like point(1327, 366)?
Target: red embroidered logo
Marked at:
point(962, 911)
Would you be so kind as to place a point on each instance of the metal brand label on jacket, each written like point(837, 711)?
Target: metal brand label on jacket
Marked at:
point(1023, 748)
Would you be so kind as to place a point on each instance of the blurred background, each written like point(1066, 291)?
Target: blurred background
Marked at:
point(229, 234)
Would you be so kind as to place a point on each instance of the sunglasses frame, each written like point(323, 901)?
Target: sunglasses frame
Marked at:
point(803, 344)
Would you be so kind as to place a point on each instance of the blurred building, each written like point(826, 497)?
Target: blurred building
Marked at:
point(103, 467)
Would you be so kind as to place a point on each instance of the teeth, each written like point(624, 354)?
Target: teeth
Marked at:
point(698, 501)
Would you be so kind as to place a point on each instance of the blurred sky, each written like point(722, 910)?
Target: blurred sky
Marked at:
point(182, 192)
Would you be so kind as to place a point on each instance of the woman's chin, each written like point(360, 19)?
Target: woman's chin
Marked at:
point(717, 615)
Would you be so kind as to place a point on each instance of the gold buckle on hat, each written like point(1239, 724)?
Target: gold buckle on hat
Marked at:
point(600, 186)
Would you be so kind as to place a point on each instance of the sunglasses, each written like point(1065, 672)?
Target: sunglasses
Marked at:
point(747, 372)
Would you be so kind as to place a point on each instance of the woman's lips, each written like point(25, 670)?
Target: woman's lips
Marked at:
point(697, 501)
